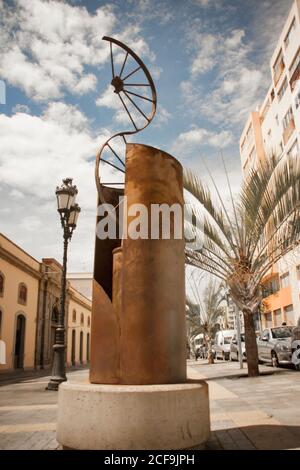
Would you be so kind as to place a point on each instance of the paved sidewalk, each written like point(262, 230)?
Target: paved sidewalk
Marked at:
point(260, 413)
point(28, 414)
point(251, 413)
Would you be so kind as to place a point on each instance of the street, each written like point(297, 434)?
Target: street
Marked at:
point(259, 413)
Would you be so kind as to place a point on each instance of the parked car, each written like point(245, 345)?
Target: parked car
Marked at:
point(275, 345)
point(234, 348)
point(221, 347)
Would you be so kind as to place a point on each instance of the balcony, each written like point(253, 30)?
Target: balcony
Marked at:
point(295, 77)
point(288, 131)
point(278, 71)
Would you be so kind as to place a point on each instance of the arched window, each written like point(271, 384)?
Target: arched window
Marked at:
point(89, 321)
point(22, 294)
point(74, 316)
point(1, 284)
point(82, 319)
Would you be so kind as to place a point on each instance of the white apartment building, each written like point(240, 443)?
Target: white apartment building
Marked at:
point(274, 128)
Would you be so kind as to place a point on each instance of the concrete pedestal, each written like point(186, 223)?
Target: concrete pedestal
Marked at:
point(133, 417)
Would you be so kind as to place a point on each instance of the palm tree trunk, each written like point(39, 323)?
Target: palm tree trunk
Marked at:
point(209, 352)
point(251, 344)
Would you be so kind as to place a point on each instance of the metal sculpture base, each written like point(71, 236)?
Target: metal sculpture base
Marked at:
point(133, 417)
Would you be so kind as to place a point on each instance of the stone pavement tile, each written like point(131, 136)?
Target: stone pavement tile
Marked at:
point(271, 437)
point(241, 440)
point(226, 440)
point(213, 443)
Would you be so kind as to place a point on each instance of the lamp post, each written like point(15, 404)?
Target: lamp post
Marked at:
point(69, 212)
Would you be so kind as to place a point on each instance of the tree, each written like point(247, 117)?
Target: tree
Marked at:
point(205, 315)
point(241, 244)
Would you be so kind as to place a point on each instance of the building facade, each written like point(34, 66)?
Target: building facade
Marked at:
point(29, 309)
point(274, 129)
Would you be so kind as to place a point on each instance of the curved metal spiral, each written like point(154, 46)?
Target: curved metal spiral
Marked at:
point(128, 99)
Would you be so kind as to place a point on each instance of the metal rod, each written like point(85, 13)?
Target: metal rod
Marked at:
point(137, 84)
point(111, 164)
point(123, 64)
point(129, 75)
point(124, 104)
point(112, 61)
point(140, 96)
point(116, 155)
point(59, 366)
point(136, 106)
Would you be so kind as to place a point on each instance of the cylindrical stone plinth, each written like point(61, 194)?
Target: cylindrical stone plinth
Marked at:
point(153, 339)
point(132, 417)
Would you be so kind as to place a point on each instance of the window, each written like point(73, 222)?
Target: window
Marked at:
point(282, 89)
point(82, 319)
point(1, 284)
point(294, 150)
point(89, 321)
point(295, 69)
point(285, 280)
point(277, 119)
point(74, 316)
point(289, 34)
point(288, 118)
point(278, 67)
point(295, 63)
point(271, 287)
point(22, 294)
point(277, 317)
point(289, 315)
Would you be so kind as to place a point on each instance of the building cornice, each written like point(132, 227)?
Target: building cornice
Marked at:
point(86, 304)
point(15, 261)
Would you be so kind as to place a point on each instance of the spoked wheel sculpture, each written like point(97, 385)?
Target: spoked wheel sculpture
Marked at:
point(136, 91)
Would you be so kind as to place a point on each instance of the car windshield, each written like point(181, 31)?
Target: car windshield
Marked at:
point(279, 333)
point(227, 340)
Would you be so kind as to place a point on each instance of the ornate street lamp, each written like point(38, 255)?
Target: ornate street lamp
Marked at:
point(69, 212)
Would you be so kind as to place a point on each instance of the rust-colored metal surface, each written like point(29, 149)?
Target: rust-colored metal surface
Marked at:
point(105, 352)
point(153, 338)
point(138, 321)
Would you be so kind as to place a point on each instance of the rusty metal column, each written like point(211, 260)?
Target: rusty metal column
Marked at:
point(153, 336)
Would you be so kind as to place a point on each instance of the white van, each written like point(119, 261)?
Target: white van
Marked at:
point(221, 345)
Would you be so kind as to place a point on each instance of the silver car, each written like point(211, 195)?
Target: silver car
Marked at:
point(275, 345)
point(234, 348)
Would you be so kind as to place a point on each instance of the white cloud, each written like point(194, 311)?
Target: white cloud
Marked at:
point(67, 116)
point(48, 44)
point(236, 83)
point(194, 140)
point(21, 108)
point(49, 148)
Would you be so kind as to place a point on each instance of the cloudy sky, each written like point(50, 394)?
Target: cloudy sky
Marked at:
point(210, 63)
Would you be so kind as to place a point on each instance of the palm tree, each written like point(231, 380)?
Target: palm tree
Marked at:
point(241, 245)
point(205, 315)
